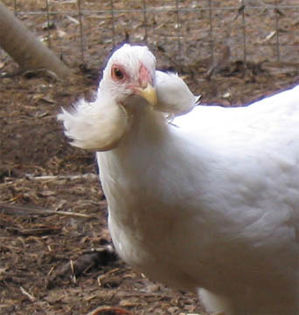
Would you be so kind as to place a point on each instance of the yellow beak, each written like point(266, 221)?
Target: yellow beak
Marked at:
point(148, 93)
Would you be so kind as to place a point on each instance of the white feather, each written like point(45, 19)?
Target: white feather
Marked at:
point(210, 203)
point(173, 94)
point(97, 125)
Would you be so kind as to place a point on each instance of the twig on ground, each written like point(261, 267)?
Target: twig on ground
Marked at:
point(22, 210)
point(58, 177)
point(29, 296)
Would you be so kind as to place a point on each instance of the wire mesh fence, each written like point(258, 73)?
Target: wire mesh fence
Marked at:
point(189, 32)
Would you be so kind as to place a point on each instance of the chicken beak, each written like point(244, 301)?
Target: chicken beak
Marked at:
point(148, 93)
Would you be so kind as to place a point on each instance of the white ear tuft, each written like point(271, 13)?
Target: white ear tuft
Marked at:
point(174, 96)
point(95, 126)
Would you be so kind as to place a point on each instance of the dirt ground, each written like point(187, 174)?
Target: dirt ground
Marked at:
point(56, 255)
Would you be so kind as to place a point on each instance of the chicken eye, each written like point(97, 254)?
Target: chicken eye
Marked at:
point(117, 73)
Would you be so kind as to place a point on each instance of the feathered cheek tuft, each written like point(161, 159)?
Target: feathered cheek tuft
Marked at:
point(113, 126)
point(174, 96)
point(95, 127)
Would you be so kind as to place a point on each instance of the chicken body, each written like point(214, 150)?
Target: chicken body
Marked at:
point(210, 202)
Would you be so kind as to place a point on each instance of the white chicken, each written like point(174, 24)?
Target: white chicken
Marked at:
point(208, 202)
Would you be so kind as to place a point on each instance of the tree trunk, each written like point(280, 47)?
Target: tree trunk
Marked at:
point(24, 48)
